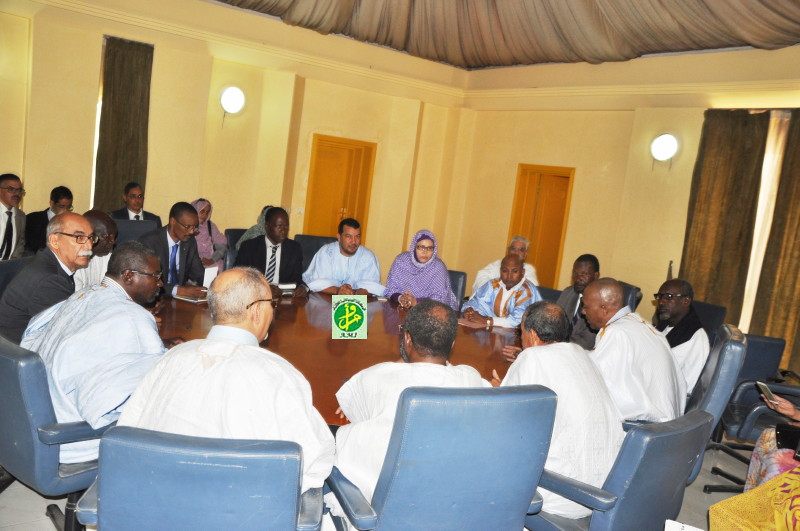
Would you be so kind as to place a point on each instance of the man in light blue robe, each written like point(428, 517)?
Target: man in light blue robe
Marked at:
point(98, 344)
point(503, 301)
point(345, 267)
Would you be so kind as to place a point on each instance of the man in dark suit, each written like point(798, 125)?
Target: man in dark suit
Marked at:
point(12, 219)
point(183, 270)
point(48, 279)
point(282, 262)
point(133, 195)
point(36, 222)
point(585, 269)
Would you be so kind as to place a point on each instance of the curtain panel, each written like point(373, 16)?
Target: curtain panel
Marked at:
point(776, 312)
point(722, 207)
point(122, 143)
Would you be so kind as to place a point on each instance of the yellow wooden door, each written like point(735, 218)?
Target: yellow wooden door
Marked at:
point(339, 182)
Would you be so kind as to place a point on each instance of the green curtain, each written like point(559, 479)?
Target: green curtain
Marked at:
point(122, 146)
point(722, 207)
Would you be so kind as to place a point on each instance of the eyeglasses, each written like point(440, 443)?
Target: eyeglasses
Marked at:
point(12, 190)
point(667, 296)
point(427, 248)
point(81, 238)
point(62, 207)
point(156, 276)
point(273, 301)
point(190, 228)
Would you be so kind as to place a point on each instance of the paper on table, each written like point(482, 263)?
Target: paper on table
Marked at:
point(210, 275)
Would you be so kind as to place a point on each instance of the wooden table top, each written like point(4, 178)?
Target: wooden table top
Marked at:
point(301, 333)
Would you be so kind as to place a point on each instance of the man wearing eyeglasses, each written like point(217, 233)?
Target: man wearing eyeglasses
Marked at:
point(98, 344)
point(176, 249)
point(12, 219)
point(48, 278)
point(677, 320)
point(133, 196)
point(36, 222)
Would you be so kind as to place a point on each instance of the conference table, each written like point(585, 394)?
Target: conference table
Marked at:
point(301, 333)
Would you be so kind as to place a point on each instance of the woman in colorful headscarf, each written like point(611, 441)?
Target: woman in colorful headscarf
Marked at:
point(420, 274)
point(211, 243)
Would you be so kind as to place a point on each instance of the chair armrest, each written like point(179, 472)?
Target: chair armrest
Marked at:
point(68, 432)
point(577, 491)
point(783, 389)
point(628, 425)
point(86, 510)
point(536, 503)
point(358, 510)
point(750, 421)
point(310, 516)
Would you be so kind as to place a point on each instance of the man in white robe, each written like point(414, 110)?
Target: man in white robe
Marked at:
point(106, 231)
point(587, 432)
point(99, 343)
point(639, 368)
point(680, 324)
point(369, 399)
point(517, 246)
point(345, 267)
point(226, 387)
point(502, 301)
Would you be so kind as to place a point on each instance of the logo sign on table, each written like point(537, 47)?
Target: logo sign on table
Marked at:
point(349, 317)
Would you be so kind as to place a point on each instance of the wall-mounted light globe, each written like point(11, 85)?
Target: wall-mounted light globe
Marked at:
point(232, 100)
point(664, 147)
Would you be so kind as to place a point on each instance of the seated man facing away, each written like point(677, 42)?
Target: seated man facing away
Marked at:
point(518, 246)
point(226, 387)
point(98, 344)
point(585, 269)
point(635, 360)
point(678, 321)
point(48, 278)
point(345, 267)
point(588, 431)
point(369, 399)
point(106, 231)
point(502, 301)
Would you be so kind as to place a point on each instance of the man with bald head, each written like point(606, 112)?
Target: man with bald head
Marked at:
point(226, 387)
point(106, 231)
point(48, 279)
point(634, 358)
point(680, 324)
point(502, 301)
point(518, 246)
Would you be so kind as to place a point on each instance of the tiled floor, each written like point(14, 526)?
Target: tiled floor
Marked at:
point(24, 510)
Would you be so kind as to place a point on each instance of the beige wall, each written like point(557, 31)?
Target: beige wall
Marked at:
point(449, 141)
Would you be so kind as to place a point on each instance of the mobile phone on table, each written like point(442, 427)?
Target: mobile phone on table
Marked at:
point(766, 392)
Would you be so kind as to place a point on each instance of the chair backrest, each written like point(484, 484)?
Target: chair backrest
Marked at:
point(9, 269)
point(158, 480)
point(232, 235)
point(711, 316)
point(458, 283)
point(761, 361)
point(132, 230)
point(632, 295)
point(649, 475)
point(26, 406)
point(464, 458)
point(549, 294)
point(310, 245)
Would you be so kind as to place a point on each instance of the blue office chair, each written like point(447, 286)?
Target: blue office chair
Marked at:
point(644, 487)
point(711, 316)
point(154, 480)
point(30, 436)
point(632, 295)
point(549, 294)
point(458, 459)
point(232, 235)
point(310, 245)
point(132, 230)
point(458, 283)
point(9, 269)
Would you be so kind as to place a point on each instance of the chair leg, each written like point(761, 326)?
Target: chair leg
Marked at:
point(730, 477)
point(726, 448)
point(6, 479)
point(68, 520)
point(723, 488)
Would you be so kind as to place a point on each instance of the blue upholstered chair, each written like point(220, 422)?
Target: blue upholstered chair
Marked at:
point(632, 295)
point(155, 480)
point(458, 283)
point(30, 436)
point(458, 459)
point(9, 269)
point(310, 245)
point(549, 294)
point(232, 235)
point(711, 316)
point(646, 484)
point(132, 230)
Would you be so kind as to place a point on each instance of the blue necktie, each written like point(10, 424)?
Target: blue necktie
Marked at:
point(173, 268)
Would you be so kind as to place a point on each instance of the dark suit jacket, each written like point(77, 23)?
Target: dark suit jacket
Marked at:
point(39, 285)
point(122, 213)
point(190, 267)
point(36, 231)
point(581, 333)
point(253, 253)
